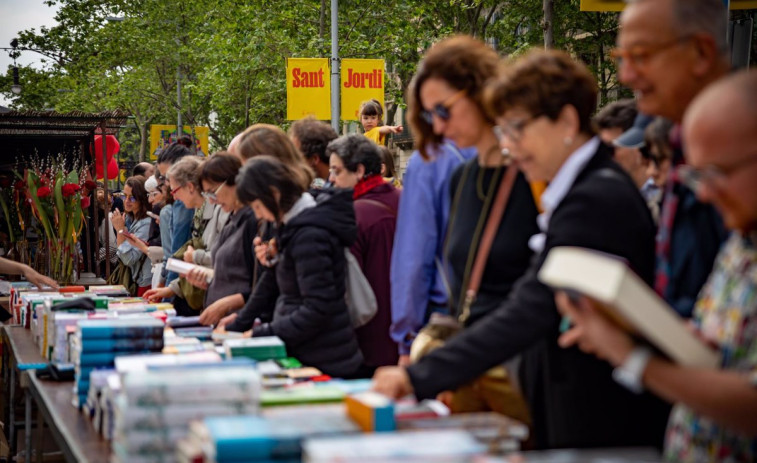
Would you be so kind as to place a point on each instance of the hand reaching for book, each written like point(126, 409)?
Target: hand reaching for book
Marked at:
point(215, 311)
point(156, 294)
point(592, 332)
point(393, 382)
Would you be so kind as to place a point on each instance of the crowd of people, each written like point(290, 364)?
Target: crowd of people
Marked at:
point(512, 160)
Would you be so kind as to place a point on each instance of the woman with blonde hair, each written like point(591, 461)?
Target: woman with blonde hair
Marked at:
point(268, 139)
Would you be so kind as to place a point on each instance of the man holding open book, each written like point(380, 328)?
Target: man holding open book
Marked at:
point(715, 417)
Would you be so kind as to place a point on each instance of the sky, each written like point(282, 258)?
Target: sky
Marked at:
point(18, 15)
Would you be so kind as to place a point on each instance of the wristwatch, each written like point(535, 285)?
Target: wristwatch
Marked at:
point(630, 373)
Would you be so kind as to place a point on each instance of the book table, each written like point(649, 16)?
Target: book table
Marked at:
point(72, 431)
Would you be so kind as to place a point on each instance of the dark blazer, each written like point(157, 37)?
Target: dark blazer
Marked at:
point(573, 399)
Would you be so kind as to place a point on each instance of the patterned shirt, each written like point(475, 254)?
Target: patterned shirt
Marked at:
point(726, 312)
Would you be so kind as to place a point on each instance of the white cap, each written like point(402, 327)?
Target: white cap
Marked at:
point(151, 184)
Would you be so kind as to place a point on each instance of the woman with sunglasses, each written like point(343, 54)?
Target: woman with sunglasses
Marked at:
point(135, 206)
point(543, 104)
point(446, 102)
point(232, 254)
point(184, 181)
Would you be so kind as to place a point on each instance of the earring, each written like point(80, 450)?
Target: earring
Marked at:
point(505, 152)
point(568, 141)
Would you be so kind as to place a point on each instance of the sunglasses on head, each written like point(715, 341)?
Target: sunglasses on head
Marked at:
point(442, 110)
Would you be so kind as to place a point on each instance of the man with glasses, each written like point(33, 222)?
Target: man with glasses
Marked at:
point(714, 416)
point(668, 52)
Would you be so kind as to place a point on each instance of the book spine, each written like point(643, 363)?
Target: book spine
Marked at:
point(108, 331)
point(121, 345)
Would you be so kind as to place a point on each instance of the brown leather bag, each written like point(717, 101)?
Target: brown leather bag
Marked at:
point(493, 390)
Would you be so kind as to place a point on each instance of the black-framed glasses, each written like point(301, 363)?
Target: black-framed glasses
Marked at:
point(212, 195)
point(710, 175)
point(441, 110)
point(513, 129)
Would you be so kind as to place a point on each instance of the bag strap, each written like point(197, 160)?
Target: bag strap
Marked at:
point(487, 239)
point(380, 204)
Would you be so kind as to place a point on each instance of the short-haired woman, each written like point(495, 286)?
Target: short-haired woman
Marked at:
point(233, 259)
point(356, 165)
point(184, 180)
point(305, 292)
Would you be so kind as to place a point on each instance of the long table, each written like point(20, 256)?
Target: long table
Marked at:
point(72, 431)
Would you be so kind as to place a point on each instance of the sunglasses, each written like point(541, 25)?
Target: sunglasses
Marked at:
point(212, 195)
point(130, 199)
point(441, 110)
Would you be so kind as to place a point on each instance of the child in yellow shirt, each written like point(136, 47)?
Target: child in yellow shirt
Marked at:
point(371, 114)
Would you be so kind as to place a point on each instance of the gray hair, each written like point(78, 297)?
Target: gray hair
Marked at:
point(186, 170)
point(701, 17)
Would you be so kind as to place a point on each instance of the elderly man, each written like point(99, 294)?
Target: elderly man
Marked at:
point(716, 422)
point(668, 51)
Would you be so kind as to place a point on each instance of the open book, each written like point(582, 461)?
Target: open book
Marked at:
point(627, 300)
point(182, 268)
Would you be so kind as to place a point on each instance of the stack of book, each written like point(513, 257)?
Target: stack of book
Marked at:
point(263, 348)
point(422, 446)
point(155, 407)
point(97, 343)
point(258, 439)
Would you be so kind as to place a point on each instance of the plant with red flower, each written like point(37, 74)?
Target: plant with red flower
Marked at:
point(85, 202)
point(70, 189)
point(90, 185)
point(20, 185)
point(43, 192)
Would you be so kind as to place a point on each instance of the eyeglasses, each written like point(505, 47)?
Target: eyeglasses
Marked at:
point(711, 175)
point(130, 198)
point(335, 171)
point(153, 194)
point(639, 55)
point(212, 195)
point(513, 129)
point(442, 109)
point(173, 192)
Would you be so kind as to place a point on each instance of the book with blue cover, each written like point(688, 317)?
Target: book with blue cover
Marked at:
point(146, 327)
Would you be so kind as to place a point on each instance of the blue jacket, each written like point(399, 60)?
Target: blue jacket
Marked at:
point(418, 241)
point(181, 229)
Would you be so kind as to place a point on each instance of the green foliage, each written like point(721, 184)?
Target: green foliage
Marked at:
point(230, 56)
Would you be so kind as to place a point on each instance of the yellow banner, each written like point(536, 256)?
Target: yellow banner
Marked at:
point(308, 88)
point(362, 79)
point(163, 135)
point(615, 5)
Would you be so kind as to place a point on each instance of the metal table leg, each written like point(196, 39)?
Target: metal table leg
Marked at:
point(12, 416)
point(28, 425)
point(40, 434)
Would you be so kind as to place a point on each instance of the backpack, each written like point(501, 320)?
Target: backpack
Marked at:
point(122, 276)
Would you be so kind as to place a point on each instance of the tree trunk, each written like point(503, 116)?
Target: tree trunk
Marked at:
point(549, 38)
point(144, 140)
point(322, 20)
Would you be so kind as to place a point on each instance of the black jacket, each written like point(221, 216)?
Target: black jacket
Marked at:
point(573, 399)
point(310, 314)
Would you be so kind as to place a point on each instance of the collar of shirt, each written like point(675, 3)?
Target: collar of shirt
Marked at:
point(559, 187)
